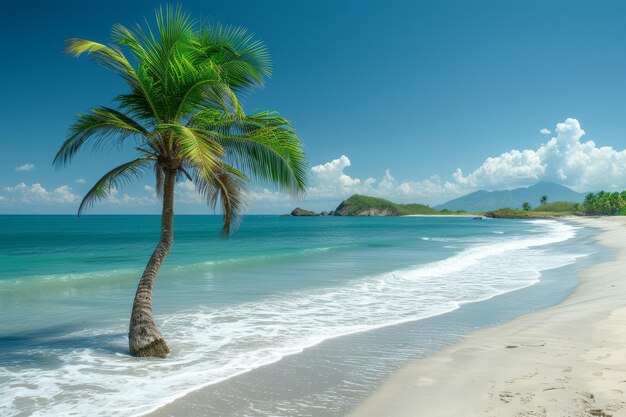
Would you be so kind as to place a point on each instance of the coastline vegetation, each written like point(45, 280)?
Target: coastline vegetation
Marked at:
point(603, 204)
point(595, 204)
point(556, 207)
point(510, 213)
point(181, 113)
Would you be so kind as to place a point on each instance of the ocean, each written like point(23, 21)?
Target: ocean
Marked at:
point(291, 316)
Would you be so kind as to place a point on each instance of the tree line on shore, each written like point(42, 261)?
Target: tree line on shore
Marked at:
point(601, 203)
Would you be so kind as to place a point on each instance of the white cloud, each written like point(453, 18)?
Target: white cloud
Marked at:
point(80, 181)
point(329, 181)
point(127, 199)
point(330, 177)
point(267, 196)
point(545, 131)
point(25, 167)
point(185, 192)
point(36, 193)
point(565, 159)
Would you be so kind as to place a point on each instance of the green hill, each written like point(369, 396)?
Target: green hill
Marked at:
point(361, 205)
point(414, 208)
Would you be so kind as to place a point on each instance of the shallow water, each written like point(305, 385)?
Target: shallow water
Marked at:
point(279, 286)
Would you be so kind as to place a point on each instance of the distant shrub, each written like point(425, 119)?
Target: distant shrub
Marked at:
point(509, 213)
point(556, 207)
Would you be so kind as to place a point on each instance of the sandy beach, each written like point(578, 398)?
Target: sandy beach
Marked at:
point(568, 360)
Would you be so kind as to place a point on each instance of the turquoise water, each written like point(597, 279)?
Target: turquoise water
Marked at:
point(280, 285)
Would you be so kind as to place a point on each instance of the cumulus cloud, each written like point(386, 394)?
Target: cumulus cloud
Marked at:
point(329, 181)
point(25, 167)
point(565, 158)
point(80, 181)
point(36, 193)
point(185, 192)
point(545, 131)
point(330, 177)
point(126, 199)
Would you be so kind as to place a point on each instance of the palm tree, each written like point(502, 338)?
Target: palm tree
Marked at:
point(543, 200)
point(526, 206)
point(183, 118)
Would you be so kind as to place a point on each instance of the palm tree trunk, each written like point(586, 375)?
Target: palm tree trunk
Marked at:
point(144, 338)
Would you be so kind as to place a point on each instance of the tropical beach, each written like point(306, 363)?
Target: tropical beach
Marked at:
point(567, 360)
point(305, 323)
point(295, 209)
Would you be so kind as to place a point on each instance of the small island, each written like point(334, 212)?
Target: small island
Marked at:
point(361, 205)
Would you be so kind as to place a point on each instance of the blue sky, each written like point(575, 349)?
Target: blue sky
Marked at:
point(391, 99)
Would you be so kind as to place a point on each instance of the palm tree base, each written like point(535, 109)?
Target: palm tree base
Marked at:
point(156, 349)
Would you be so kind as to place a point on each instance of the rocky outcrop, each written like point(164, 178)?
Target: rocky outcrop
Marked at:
point(366, 212)
point(303, 213)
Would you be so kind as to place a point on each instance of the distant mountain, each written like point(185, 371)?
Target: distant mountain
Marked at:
point(492, 200)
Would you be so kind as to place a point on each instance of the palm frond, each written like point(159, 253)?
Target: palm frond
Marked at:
point(110, 57)
point(167, 61)
point(226, 186)
point(263, 145)
point(100, 125)
point(193, 145)
point(115, 178)
point(244, 61)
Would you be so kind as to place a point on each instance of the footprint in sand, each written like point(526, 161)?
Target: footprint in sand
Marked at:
point(567, 369)
point(563, 380)
point(506, 396)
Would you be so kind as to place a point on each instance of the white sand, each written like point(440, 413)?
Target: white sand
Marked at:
point(565, 361)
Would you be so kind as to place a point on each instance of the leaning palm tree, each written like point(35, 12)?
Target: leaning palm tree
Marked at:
point(182, 116)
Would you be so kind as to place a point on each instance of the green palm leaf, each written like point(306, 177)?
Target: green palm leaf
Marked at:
point(118, 176)
point(263, 145)
point(226, 187)
point(102, 125)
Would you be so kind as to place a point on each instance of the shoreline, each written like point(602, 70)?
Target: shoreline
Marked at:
point(209, 400)
point(566, 360)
